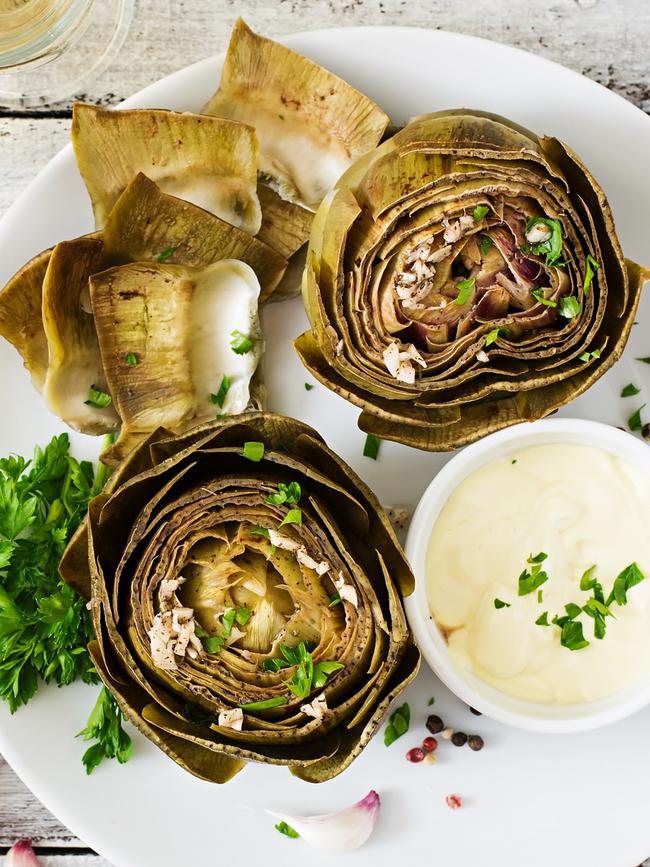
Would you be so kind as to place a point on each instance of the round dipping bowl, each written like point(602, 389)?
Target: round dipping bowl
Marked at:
point(524, 714)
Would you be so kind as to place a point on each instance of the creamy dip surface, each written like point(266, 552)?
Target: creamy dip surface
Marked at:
point(582, 507)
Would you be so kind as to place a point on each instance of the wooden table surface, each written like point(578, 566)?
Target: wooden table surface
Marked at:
point(606, 40)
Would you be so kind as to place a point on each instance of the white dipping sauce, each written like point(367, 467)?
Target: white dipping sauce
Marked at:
point(581, 506)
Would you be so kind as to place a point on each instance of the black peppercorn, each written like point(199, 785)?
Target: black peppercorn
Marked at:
point(434, 724)
point(475, 712)
point(475, 742)
point(459, 739)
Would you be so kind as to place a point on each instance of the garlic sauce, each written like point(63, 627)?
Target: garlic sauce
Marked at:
point(581, 506)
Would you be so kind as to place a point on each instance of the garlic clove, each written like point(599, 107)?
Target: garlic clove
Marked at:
point(337, 832)
point(21, 854)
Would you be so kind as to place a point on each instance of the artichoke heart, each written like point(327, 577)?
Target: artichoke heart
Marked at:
point(166, 334)
point(74, 361)
point(211, 162)
point(311, 124)
point(463, 277)
point(246, 597)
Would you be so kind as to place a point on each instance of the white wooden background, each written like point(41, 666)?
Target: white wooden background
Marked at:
point(604, 39)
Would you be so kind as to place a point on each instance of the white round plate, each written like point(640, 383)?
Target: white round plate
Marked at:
point(528, 799)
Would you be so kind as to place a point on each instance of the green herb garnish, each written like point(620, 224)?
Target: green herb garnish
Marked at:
point(97, 398)
point(587, 356)
point(212, 643)
point(308, 386)
point(131, 359)
point(265, 704)
point(634, 421)
point(166, 254)
point(542, 620)
point(531, 579)
point(371, 447)
point(499, 603)
point(293, 516)
point(572, 636)
point(570, 307)
point(645, 360)
point(253, 451)
point(624, 581)
point(431, 702)
point(630, 390)
point(240, 343)
point(590, 271)
point(552, 247)
point(290, 493)
point(465, 289)
point(260, 531)
point(219, 398)
point(538, 295)
point(486, 243)
point(282, 827)
point(105, 726)
point(334, 600)
point(492, 336)
point(479, 212)
point(398, 724)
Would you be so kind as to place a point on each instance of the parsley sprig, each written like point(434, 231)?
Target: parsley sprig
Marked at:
point(308, 676)
point(105, 726)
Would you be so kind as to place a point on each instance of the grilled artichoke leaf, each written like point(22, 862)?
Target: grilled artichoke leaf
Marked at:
point(74, 363)
point(209, 161)
point(146, 224)
point(311, 124)
point(21, 322)
point(464, 276)
point(176, 322)
point(188, 540)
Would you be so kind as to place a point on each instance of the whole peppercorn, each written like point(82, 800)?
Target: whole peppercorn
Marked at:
point(475, 712)
point(645, 431)
point(415, 755)
point(476, 742)
point(434, 724)
point(459, 739)
point(429, 745)
point(447, 734)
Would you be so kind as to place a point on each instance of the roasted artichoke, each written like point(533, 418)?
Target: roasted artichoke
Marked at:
point(462, 277)
point(245, 589)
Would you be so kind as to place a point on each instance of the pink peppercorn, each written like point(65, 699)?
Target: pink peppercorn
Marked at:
point(429, 745)
point(415, 755)
point(454, 802)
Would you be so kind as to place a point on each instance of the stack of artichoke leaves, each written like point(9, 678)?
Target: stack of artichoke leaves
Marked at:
point(462, 277)
point(246, 595)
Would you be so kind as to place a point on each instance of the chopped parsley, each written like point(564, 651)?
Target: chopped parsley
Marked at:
point(479, 212)
point(572, 636)
point(253, 451)
point(219, 398)
point(645, 360)
point(465, 289)
point(499, 603)
point(166, 254)
point(570, 307)
point(492, 336)
point(531, 579)
point(587, 356)
point(551, 248)
point(105, 726)
point(308, 386)
point(265, 703)
point(624, 581)
point(240, 343)
point(486, 243)
point(334, 600)
point(398, 724)
point(293, 516)
point(630, 390)
point(282, 827)
point(371, 447)
point(308, 676)
point(634, 421)
point(290, 493)
point(97, 398)
point(542, 620)
point(590, 271)
point(131, 359)
point(538, 295)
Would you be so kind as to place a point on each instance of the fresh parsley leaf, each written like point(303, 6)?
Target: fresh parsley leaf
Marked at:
point(131, 359)
point(572, 610)
point(260, 531)
point(290, 493)
point(630, 390)
point(590, 271)
point(587, 356)
point(323, 670)
point(242, 615)
point(492, 336)
point(105, 726)
point(533, 578)
point(634, 421)
point(398, 724)
point(587, 581)
point(166, 254)
point(308, 386)
point(570, 307)
point(540, 596)
point(293, 516)
point(479, 212)
point(97, 398)
point(265, 704)
point(240, 343)
point(552, 247)
point(542, 620)
point(219, 398)
point(499, 603)
point(431, 701)
point(282, 827)
point(537, 558)
point(253, 451)
point(624, 581)
point(645, 360)
point(572, 636)
point(486, 243)
point(212, 643)
point(335, 599)
point(538, 295)
point(371, 447)
point(465, 289)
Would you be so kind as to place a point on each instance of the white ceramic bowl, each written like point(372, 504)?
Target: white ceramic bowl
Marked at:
point(535, 716)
